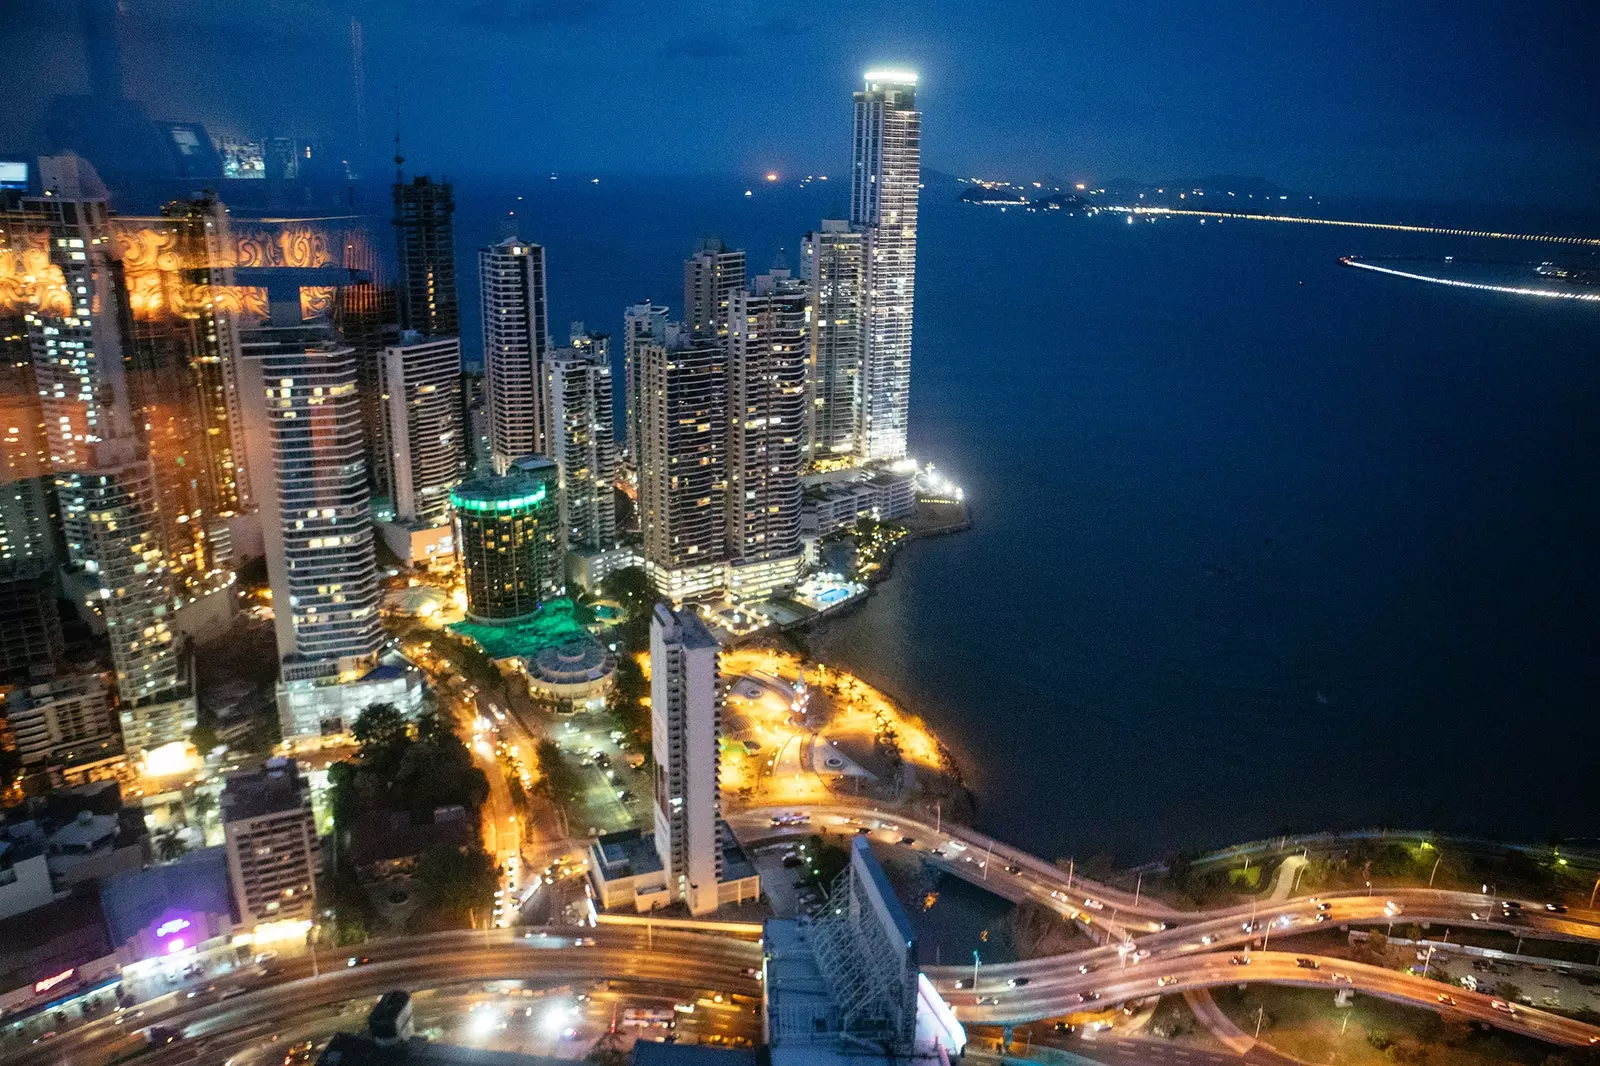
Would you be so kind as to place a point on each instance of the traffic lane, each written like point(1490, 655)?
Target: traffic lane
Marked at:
point(1054, 998)
point(114, 1031)
point(279, 1006)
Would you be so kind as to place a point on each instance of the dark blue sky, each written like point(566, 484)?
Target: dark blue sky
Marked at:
point(1479, 99)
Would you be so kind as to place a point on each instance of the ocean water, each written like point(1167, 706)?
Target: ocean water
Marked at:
point(1260, 543)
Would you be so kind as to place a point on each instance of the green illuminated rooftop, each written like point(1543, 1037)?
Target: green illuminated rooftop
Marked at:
point(555, 624)
point(522, 489)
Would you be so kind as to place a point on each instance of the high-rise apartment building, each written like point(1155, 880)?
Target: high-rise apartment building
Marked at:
point(271, 839)
point(508, 534)
point(306, 447)
point(885, 175)
point(30, 623)
point(711, 277)
point(768, 339)
point(683, 461)
point(425, 239)
point(582, 442)
point(26, 485)
point(834, 266)
point(516, 343)
point(422, 430)
point(105, 485)
point(686, 719)
point(643, 323)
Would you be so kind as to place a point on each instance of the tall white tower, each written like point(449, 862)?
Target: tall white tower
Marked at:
point(685, 712)
point(767, 342)
point(885, 174)
point(582, 442)
point(422, 428)
point(516, 342)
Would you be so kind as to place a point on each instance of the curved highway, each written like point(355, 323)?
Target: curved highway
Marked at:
point(666, 961)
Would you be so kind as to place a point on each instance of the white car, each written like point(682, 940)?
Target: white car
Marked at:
point(1094, 904)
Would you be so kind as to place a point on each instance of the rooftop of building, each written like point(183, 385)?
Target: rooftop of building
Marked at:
point(629, 853)
point(555, 625)
point(736, 865)
point(73, 928)
point(387, 835)
point(197, 883)
point(653, 1053)
point(274, 787)
point(691, 631)
point(521, 487)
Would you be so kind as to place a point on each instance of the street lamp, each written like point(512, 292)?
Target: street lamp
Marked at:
point(974, 970)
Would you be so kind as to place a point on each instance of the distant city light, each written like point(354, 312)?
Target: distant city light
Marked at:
point(772, 175)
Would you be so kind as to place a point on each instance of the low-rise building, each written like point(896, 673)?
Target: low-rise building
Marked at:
point(63, 721)
point(835, 501)
point(177, 908)
point(24, 877)
point(272, 847)
point(54, 954)
point(318, 709)
point(384, 842)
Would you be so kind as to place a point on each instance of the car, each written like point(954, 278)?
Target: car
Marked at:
point(1165, 980)
point(1064, 1027)
point(1502, 1006)
point(1510, 905)
point(1308, 964)
point(1555, 908)
point(1248, 927)
point(908, 841)
point(1141, 954)
point(1391, 908)
point(1321, 917)
point(1447, 1000)
point(1088, 997)
point(1239, 960)
point(963, 982)
point(791, 861)
point(1324, 906)
point(1479, 917)
point(1208, 939)
point(1101, 1026)
point(863, 829)
point(1019, 982)
point(988, 1001)
point(1085, 968)
point(1341, 978)
point(1168, 925)
point(583, 942)
point(1094, 904)
point(1010, 869)
point(358, 960)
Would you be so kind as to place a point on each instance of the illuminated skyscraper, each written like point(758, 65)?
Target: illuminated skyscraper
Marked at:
point(833, 262)
point(508, 533)
point(644, 323)
point(686, 718)
point(683, 461)
point(424, 236)
point(885, 174)
point(105, 484)
point(711, 277)
point(422, 430)
point(767, 343)
point(308, 473)
point(582, 442)
point(516, 342)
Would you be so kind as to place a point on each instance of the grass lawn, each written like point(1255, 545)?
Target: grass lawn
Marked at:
point(1305, 1024)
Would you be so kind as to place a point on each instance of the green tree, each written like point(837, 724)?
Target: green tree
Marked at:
point(456, 884)
point(558, 779)
point(380, 725)
point(204, 735)
point(632, 588)
point(170, 847)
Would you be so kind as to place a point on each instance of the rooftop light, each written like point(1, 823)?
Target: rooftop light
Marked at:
point(899, 77)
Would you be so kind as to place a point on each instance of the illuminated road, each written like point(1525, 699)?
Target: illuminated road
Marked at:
point(1512, 290)
point(662, 961)
point(1592, 242)
point(1048, 997)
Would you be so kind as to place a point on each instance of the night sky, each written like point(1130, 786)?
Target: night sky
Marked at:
point(1474, 99)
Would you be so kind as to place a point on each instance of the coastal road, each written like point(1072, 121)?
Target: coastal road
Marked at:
point(665, 962)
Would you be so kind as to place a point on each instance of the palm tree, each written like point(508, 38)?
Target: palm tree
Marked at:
point(170, 847)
